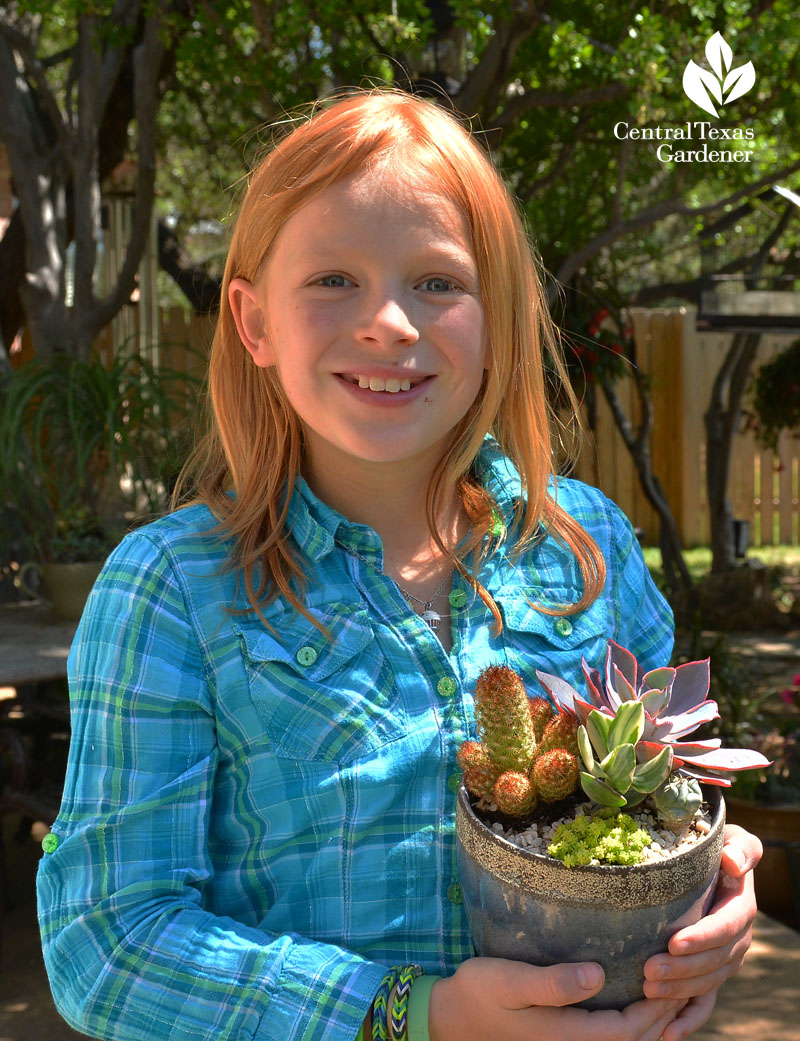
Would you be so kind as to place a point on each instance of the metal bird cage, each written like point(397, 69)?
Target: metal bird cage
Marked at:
point(744, 260)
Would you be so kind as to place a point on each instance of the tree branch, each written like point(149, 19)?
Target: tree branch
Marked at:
point(39, 206)
point(483, 79)
point(124, 18)
point(658, 211)
point(24, 48)
point(565, 154)
point(147, 61)
point(200, 288)
point(85, 178)
point(599, 45)
point(522, 103)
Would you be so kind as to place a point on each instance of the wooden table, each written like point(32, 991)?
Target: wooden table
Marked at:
point(34, 644)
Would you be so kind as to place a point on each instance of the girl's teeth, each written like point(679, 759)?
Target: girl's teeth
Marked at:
point(391, 386)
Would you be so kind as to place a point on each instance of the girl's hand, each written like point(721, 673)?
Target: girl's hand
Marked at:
point(702, 956)
point(491, 998)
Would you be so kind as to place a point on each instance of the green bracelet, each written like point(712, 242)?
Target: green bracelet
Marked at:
point(398, 1012)
point(380, 1017)
point(418, 1005)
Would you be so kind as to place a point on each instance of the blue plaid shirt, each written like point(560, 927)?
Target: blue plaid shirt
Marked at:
point(256, 824)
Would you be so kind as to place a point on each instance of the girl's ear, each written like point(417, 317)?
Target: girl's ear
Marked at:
point(248, 313)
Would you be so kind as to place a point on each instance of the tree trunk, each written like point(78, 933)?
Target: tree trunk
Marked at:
point(200, 288)
point(638, 444)
point(721, 421)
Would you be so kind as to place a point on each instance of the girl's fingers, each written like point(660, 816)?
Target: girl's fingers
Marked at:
point(656, 1032)
point(741, 852)
point(730, 918)
point(647, 1020)
point(642, 1021)
point(696, 1012)
point(517, 985)
point(705, 978)
point(694, 974)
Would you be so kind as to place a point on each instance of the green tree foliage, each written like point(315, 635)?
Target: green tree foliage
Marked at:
point(544, 90)
point(774, 404)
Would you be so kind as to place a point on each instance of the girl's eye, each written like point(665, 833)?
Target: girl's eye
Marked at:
point(438, 285)
point(333, 281)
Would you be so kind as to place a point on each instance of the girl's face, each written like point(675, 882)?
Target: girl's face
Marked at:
point(369, 308)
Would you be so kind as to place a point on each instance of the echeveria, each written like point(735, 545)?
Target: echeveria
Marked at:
point(675, 702)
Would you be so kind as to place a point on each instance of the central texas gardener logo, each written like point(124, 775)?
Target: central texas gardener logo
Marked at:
point(724, 84)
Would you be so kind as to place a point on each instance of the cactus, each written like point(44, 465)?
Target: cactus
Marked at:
point(554, 774)
point(514, 794)
point(677, 801)
point(479, 773)
point(628, 731)
point(504, 767)
point(541, 714)
point(560, 732)
point(504, 718)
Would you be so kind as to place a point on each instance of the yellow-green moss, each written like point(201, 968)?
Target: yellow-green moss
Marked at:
point(611, 840)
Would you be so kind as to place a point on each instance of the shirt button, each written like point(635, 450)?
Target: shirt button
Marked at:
point(563, 626)
point(306, 656)
point(446, 687)
point(453, 781)
point(50, 842)
point(458, 598)
point(454, 893)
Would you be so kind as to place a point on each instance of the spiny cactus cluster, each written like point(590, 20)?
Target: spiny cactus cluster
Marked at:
point(528, 752)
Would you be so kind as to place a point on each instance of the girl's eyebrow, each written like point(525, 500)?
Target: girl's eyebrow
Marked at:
point(336, 254)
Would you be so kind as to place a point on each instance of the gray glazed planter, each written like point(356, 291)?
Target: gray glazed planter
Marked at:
point(528, 907)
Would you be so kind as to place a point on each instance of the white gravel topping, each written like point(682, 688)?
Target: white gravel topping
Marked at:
point(665, 842)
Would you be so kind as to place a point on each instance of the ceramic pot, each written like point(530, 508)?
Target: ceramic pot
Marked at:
point(65, 587)
point(777, 877)
point(528, 907)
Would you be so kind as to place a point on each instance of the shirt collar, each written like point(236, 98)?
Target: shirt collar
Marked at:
point(317, 527)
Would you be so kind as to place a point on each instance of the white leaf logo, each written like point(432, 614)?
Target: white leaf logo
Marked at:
point(724, 84)
point(718, 53)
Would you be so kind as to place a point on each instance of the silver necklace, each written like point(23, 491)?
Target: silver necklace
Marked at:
point(431, 618)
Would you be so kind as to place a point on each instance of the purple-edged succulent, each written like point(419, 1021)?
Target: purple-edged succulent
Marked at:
point(675, 702)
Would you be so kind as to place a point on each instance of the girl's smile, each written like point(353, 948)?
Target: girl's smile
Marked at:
point(369, 308)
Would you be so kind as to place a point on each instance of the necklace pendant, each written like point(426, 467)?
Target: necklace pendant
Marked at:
point(431, 619)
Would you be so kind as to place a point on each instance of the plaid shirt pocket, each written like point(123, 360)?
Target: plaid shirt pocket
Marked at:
point(534, 640)
point(318, 700)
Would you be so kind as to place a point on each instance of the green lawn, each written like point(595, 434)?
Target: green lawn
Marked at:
point(698, 559)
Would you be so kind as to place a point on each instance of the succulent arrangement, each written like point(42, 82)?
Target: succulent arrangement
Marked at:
point(622, 742)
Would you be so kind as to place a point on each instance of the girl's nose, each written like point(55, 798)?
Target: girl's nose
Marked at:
point(388, 322)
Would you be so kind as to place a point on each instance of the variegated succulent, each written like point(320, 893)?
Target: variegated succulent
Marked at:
point(674, 703)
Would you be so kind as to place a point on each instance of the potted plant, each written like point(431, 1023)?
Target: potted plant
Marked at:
point(85, 448)
point(551, 868)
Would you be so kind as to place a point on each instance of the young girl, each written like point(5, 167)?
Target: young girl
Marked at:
point(269, 685)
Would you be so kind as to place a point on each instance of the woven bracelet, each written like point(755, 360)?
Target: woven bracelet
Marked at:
point(380, 1009)
point(398, 1013)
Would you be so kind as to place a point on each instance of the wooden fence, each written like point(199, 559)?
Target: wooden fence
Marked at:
point(764, 487)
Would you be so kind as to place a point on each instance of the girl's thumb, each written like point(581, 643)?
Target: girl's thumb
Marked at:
point(567, 984)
